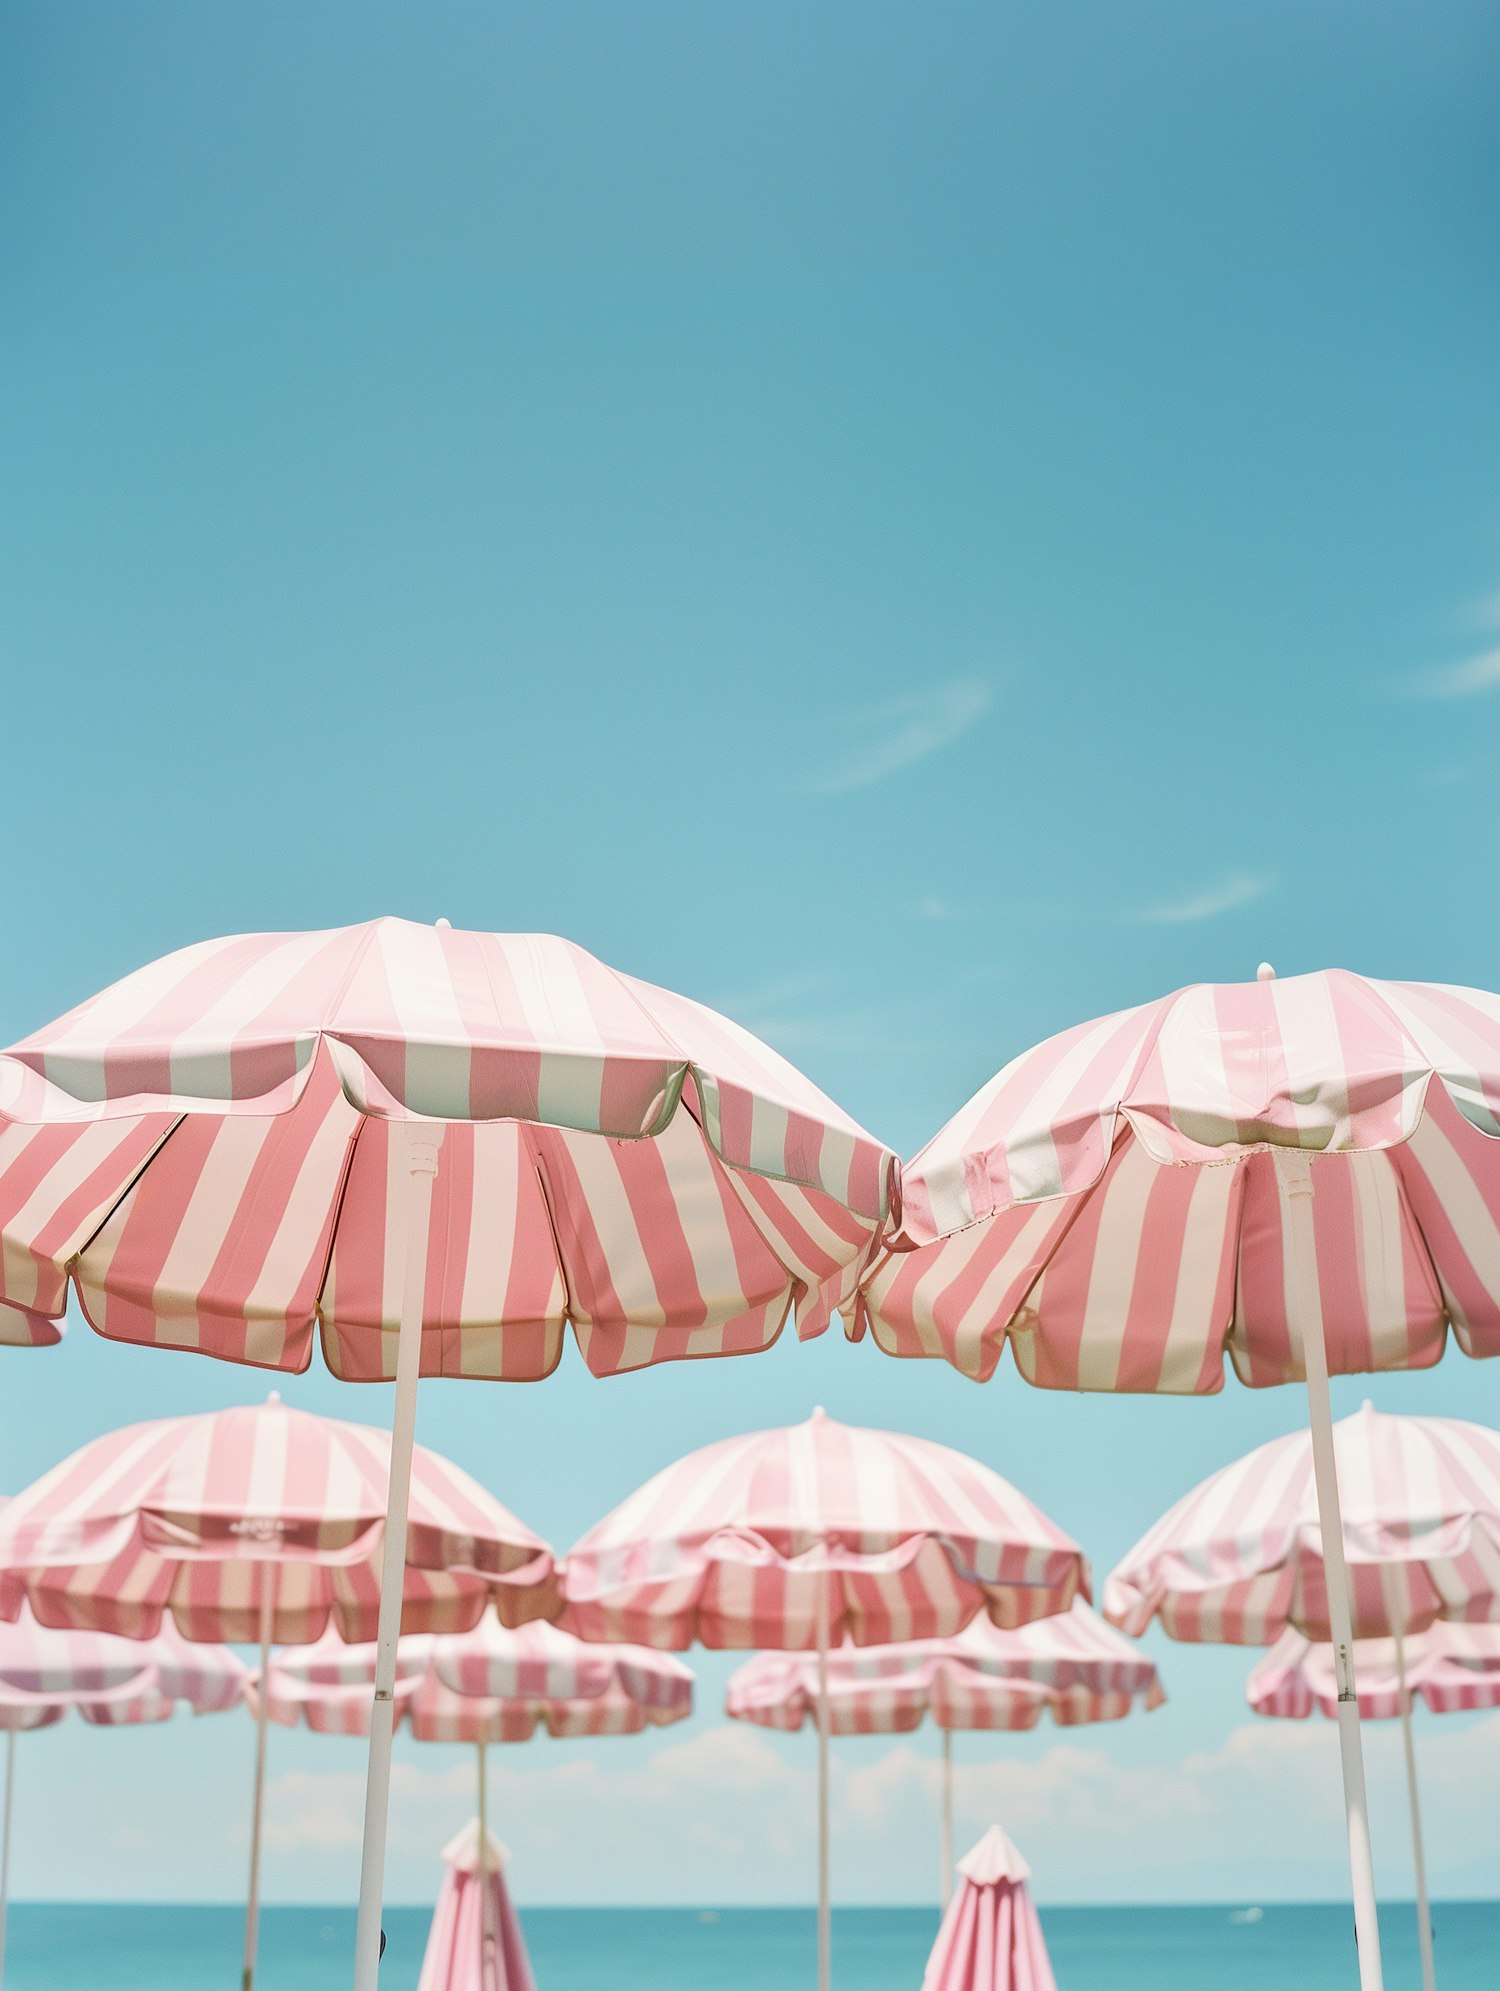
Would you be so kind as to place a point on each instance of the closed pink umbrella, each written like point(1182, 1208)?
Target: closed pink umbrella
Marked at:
point(1239, 1560)
point(261, 1523)
point(436, 1151)
point(991, 1939)
point(1453, 1667)
point(1299, 1175)
point(800, 1537)
point(1073, 1667)
point(111, 1682)
point(475, 1943)
point(482, 1686)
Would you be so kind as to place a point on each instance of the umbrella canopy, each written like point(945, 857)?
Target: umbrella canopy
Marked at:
point(112, 1682)
point(1073, 1667)
point(1452, 1668)
point(209, 1150)
point(745, 1542)
point(1052, 1211)
point(486, 1685)
point(1239, 1559)
point(475, 1943)
point(216, 1521)
point(991, 1939)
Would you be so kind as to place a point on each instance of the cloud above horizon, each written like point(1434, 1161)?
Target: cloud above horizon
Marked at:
point(1239, 888)
point(1468, 679)
point(728, 1816)
point(903, 731)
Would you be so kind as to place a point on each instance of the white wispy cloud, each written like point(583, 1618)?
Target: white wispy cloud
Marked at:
point(1238, 889)
point(1468, 679)
point(904, 731)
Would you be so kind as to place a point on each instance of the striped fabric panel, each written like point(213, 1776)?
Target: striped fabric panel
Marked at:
point(1327, 1062)
point(1452, 1668)
point(248, 1235)
point(194, 1517)
point(440, 1024)
point(1072, 1667)
point(1055, 1210)
point(111, 1681)
point(1238, 1559)
point(1147, 1281)
point(730, 1546)
point(490, 1685)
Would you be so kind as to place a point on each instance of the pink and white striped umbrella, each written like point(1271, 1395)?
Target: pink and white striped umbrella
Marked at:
point(1303, 1175)
point(1073, 1667)
point(1452, 1668)
point(206, 1150)
point(475, 1943)
point(486, 1685)
point(991, 1938)
point(259, 1522)
point(439, 1149)
point(112, 1682)
point(740, 1544)
point(801, 1537)
point(1053, 1211)
point(1239, 1559)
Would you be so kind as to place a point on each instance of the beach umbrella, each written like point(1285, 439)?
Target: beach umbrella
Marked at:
point(111, 1682)
point(475, 1899)
point(487, 1685)
point(1453, 1667)
point(991, 1938)
point(801, 1537)
point(1299, 1175)
point(1073, 1667)
point(1240, 1558)
point(260, 1524)
point(436, 1150)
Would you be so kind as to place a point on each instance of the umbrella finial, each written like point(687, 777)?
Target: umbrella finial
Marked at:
point(443, 925)
point(274, 1396)
point(1265, 972)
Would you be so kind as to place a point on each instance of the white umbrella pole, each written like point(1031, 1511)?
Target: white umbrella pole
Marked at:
point(947, 1842)
point(252, 1899)
point(484, 1885)
point(421, 1141)
point(10, 1785)
point(825, 1947)
point(1294, 1177)
point(1424, 1912)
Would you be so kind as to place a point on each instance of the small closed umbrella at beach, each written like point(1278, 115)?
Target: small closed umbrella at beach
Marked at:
point(991, 1938)
point(800, 1537)
point(475, 1943)
point(261, 1524)
point(1239, 1559)
point(1295, 1177)
point(1453, 1668)
point(436, 1151)
point(111, 1682)
point(1072, 1667)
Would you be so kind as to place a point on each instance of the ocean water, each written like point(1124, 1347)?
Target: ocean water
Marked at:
point(95, 1947)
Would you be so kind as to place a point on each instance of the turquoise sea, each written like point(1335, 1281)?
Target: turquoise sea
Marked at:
point(96, 1947)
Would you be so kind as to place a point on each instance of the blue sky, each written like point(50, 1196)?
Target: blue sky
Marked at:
point(916, 525)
